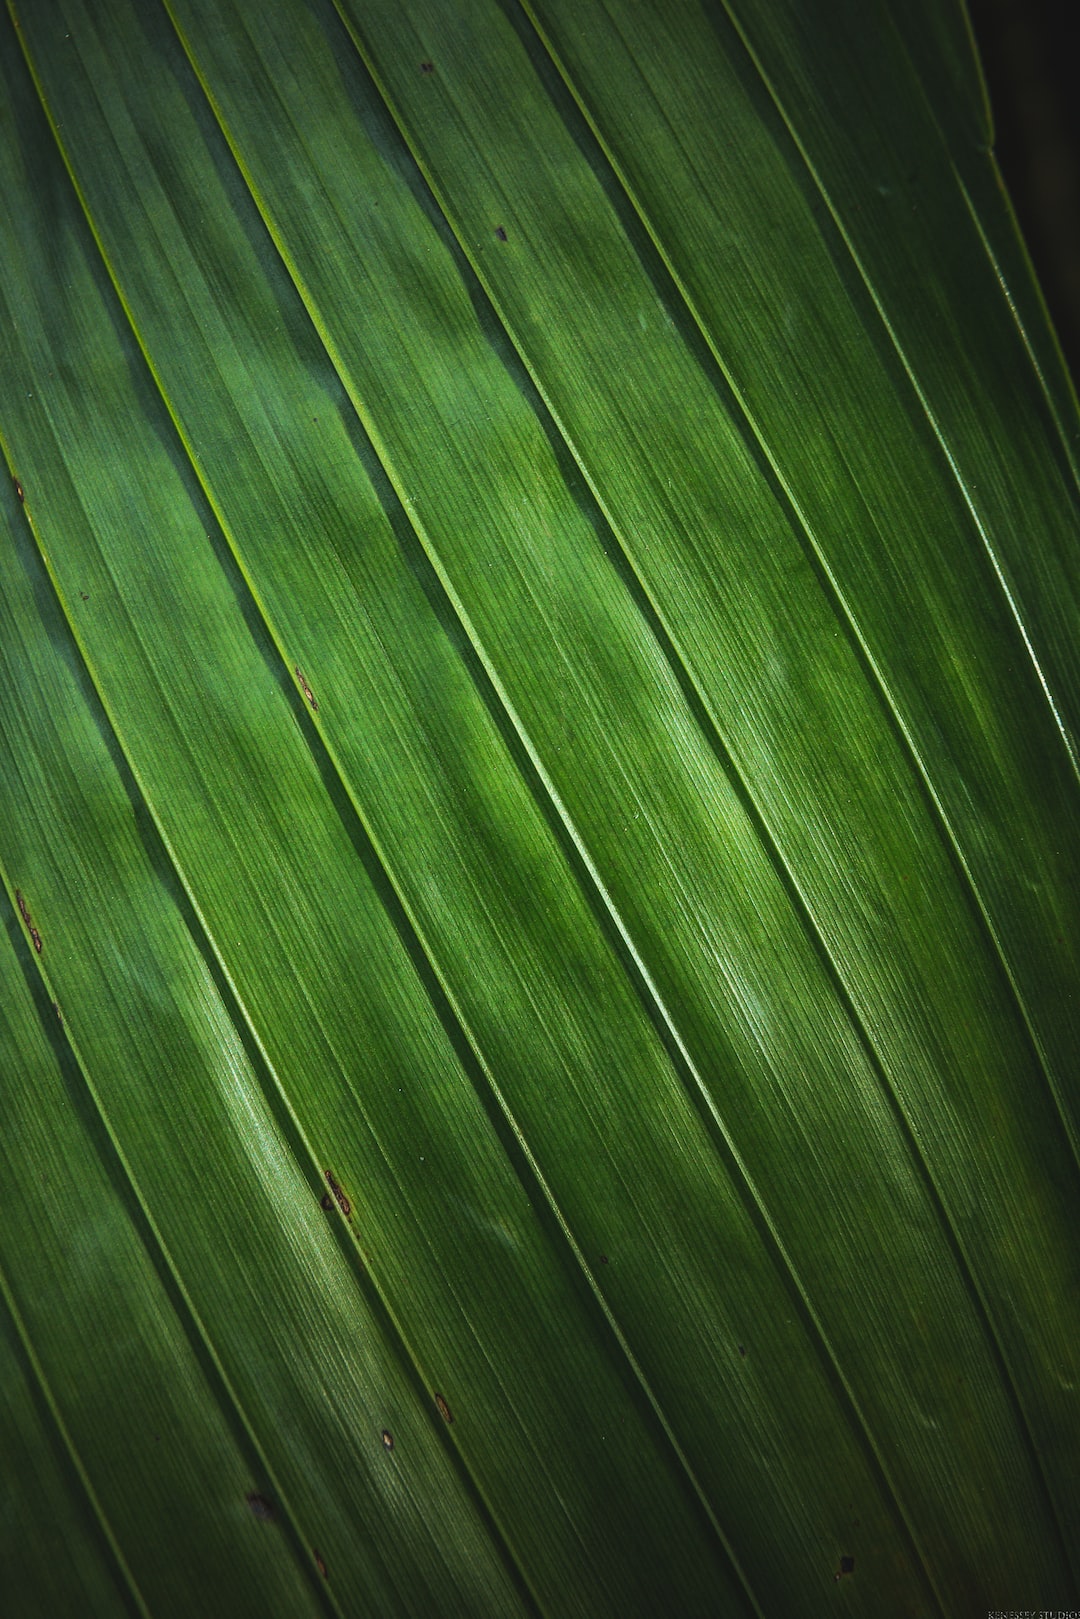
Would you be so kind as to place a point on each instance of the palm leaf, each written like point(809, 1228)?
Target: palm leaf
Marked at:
point(539, 798)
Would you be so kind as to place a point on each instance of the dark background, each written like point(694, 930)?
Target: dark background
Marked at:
point(1030, 52)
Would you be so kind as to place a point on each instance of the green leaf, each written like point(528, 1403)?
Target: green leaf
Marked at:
point(538, 803)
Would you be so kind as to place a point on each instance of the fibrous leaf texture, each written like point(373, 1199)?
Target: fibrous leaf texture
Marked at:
point(538, 809)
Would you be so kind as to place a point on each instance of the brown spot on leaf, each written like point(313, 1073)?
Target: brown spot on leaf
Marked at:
point(387, 1439)
point(500, 233)
point(427, 67)
point(847, 1566)
point(319, 1564)
point(306, 689)
point(19, 489)
point(444, 1409)
point(260, 1506)
point(342, 1201)
point(24, 912)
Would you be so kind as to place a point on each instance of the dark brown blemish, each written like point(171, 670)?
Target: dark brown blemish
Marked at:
point(742, 1351)
point(604, 1260)
point(19, 491)
point(306, 689)
point(326, 1201)
point(444, 1409)
point(847, 1566)
point(427, 67)
point(84, 596)
point(319, 1564)
point(342, 1201)
point(387, 1439)
point(56, 1009)
point(260, 1506)
point(500, 233)
point(24, 912)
